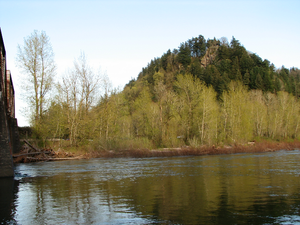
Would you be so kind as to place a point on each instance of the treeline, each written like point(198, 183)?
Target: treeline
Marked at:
point(205, 93)
point(188, 115)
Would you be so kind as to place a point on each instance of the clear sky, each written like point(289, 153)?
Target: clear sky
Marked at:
point(123, 36)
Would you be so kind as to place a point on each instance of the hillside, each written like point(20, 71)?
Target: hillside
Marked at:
point(217, 62)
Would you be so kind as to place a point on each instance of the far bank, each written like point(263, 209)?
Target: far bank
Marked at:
point(34, 154)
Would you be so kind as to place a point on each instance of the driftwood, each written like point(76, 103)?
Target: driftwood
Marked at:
point(53, 159)
point(36, 149)
point(33, 154)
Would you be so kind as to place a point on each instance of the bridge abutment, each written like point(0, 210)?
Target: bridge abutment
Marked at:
point(6, 162)
point(9, 135)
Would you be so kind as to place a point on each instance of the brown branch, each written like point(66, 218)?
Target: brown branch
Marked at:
point(53, 159)
point(36, 149)
point(31, 153)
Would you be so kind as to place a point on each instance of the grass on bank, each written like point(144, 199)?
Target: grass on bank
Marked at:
point(143, 148)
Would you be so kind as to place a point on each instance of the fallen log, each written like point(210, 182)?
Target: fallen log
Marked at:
point(53, 159)
point(31, 153)
point(71, 158)
point(36, 149)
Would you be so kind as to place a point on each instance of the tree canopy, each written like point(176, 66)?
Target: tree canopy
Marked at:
point(217, 63)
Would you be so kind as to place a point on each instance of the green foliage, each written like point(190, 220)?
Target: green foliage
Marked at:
point(217, 63)
point(236, 114)
point(204, 93)
point(184, 55)
point(196, 69)
point(197, 46)
point(246, 78)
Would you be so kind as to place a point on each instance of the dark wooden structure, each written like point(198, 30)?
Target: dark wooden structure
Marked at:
point(9, 135)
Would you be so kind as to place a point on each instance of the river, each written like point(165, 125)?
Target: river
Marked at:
point(262, 188)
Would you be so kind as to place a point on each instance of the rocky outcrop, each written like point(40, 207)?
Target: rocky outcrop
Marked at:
point(209, 56)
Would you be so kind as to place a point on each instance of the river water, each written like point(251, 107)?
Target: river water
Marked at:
point(261, 188)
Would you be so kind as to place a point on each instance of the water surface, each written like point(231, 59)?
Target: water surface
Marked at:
point(259, 188)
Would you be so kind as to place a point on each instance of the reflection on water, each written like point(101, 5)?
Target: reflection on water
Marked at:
point(226, 189)
point(8, 189)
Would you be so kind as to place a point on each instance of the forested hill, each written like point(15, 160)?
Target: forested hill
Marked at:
point(216, 63)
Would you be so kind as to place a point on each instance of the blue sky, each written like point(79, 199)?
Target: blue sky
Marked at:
point(121, 37)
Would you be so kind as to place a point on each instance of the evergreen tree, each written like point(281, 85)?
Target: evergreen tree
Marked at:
point(268, 83)
point(239, 75)
point(164, 59)
point(256, 60)
point(246, 63)
point(196, 69)
point(220, 84)
point(234, 43)
point(258, 82)
point(210, 74)
point(223, 52)
point(277, 85)
point(246, 78)
point(197, 46)
point(235, 71)
point(184, 55)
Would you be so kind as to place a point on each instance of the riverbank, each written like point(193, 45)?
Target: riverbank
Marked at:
point(251, 147)
point(64, 154)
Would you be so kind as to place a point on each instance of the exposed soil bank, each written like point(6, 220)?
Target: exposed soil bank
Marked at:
point(251, 147)
point(264, 146)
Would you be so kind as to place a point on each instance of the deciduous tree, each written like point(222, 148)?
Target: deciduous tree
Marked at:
point(36, 60)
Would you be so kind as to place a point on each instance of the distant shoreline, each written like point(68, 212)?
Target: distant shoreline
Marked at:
point(251, 147)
